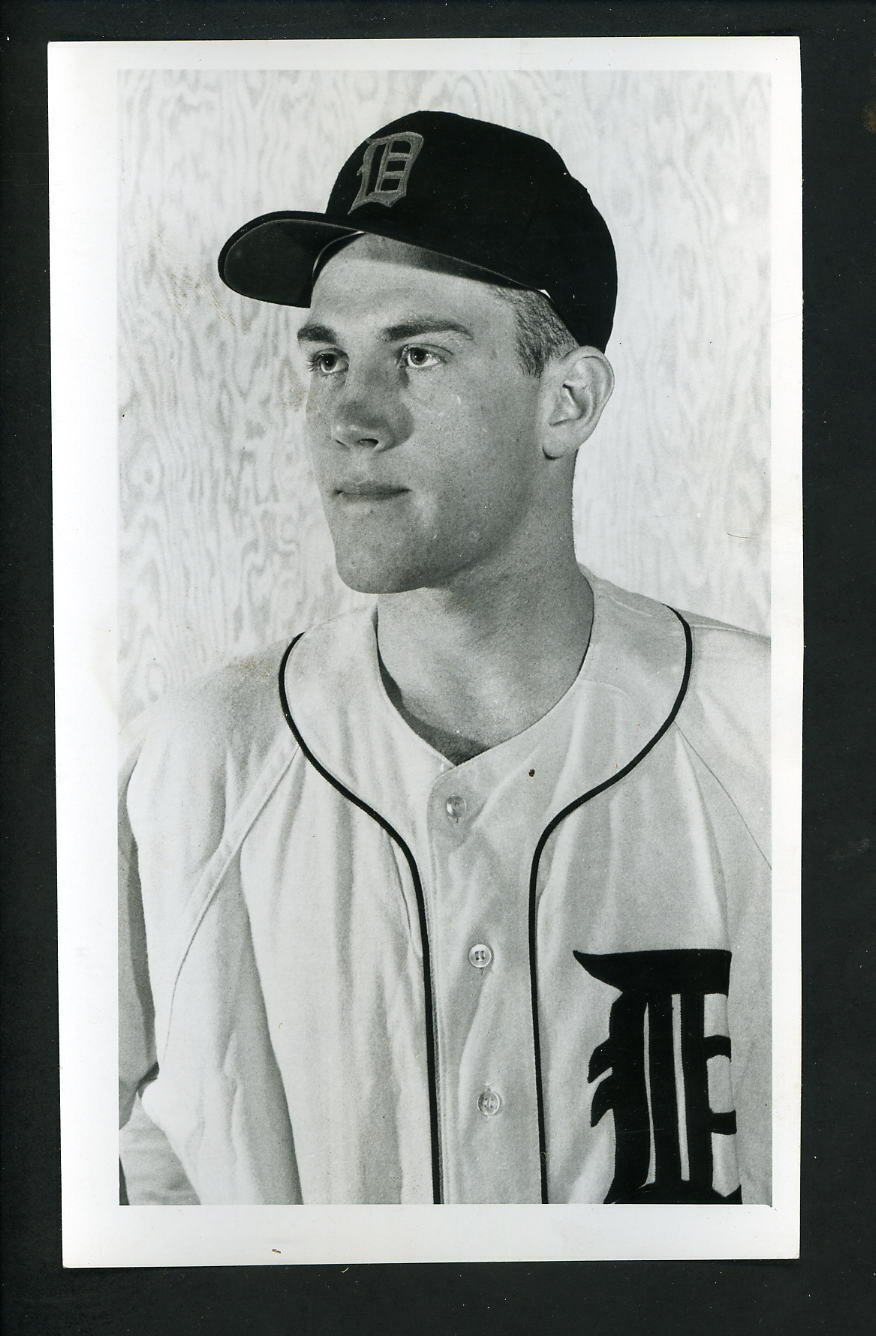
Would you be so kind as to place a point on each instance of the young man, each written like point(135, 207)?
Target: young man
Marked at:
point(464, 898)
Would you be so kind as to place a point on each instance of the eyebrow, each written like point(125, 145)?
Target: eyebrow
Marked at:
point(407, 329)
point(313, 333)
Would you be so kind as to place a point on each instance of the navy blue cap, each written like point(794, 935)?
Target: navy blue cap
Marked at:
point(498, 200)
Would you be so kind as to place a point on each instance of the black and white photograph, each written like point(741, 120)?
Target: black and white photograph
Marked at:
point(441, 439)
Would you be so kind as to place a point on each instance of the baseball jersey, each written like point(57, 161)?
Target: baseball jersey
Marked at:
point(353, 972)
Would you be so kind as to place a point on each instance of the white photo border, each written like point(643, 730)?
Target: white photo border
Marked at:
point(97, 1232)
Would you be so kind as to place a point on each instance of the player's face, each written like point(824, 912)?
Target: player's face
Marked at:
point(422, 424)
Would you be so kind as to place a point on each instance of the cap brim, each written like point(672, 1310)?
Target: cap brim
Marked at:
point(272, 257)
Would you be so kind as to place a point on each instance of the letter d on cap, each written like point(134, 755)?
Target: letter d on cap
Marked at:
point(393, 169)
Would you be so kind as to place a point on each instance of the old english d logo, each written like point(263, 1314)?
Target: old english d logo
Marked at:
point(658, 1089)
point(386, 167)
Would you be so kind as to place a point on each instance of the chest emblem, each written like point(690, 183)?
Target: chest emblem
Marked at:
point(657, 1058)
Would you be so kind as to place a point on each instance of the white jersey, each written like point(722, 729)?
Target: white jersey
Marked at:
point(353, 972)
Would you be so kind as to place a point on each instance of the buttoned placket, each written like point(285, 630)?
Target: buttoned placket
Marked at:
point(476, 905)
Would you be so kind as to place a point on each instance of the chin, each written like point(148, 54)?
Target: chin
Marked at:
point(377, 577)
point(393, 565)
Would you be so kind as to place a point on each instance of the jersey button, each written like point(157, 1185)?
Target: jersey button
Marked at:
point(480, 956)
point(489, 1102)
point(455, 807)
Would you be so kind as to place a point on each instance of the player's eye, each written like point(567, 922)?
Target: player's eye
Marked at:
point(326, 363)
point(418, 358)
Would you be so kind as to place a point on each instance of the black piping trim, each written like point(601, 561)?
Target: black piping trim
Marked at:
point(421, 911)
point(533, 880)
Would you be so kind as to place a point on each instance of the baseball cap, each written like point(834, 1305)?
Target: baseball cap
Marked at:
point(489, 197)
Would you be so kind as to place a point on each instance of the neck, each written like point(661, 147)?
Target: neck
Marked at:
point(472, 665)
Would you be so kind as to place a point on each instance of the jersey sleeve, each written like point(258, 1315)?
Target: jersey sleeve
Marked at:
point(152, 1174)
point(189, 763)
point(726, 719)
point(136, 1012)
point(727, 724)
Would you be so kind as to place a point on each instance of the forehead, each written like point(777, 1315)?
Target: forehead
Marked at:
point(372, 274)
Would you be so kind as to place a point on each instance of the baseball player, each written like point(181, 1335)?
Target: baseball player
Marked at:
point(462, 897)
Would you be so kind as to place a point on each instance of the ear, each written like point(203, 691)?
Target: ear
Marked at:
point(577, 387)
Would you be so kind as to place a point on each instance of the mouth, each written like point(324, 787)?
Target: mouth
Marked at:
point(368, 491)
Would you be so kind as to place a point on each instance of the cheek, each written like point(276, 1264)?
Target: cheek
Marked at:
point(473, 471)
point(317, 429)
point(498, 440)
point(314, 409)
point(502, 464)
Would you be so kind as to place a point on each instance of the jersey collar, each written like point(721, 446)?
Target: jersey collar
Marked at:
point(625, 691)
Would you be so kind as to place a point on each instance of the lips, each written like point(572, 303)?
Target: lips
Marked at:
point(368, 491)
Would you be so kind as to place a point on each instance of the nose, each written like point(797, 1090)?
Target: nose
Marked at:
point(366, 413)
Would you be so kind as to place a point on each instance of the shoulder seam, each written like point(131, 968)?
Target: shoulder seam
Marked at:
point(218, 865)
point(700, 622)
point(722, 786)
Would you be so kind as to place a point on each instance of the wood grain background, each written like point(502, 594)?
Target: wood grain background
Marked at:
point(223, 546)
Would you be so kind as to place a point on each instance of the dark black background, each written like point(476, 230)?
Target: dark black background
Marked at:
point(831, 1288)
